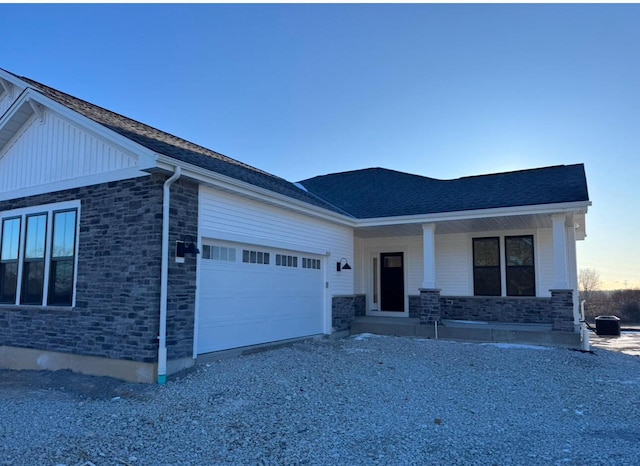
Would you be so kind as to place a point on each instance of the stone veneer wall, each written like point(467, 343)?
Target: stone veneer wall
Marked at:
point(557, 310)
point(181, 296)
point(118, 285)
point(562, 310)
point(344, 309)
point(430, 311)
point(359, 305)
point(414, 306)
point(528, 310)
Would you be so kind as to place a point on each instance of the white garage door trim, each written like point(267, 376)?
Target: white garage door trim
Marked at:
point(244, 329)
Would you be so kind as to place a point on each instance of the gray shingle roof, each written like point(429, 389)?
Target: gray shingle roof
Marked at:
point(179, 149)
point(378, 192)
point(368, 193)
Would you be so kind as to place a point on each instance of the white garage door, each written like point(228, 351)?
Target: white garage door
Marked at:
point(250, 295)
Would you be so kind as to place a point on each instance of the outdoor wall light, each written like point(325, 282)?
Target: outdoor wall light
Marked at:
point(342, 264)
point(186, 246)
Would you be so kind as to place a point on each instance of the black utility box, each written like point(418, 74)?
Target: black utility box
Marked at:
point(608, 325)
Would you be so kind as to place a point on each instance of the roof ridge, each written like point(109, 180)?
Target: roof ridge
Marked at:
point(207, 151)
point(523, 170)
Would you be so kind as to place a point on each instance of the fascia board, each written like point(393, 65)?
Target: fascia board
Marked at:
point(227, 183)
point(246, 189)
point(10, 115)
point(13, 109)
point(146, 157)
point(568, 207)
point(19, 83)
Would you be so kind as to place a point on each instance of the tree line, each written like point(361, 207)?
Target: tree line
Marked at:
point(622, 303)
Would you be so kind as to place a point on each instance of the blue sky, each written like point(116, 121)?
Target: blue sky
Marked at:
point(437, 90)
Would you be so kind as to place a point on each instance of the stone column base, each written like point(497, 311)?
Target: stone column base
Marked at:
point(562, 311)
point(429, 306)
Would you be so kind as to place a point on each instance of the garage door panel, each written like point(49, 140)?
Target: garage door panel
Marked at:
point(243, 304)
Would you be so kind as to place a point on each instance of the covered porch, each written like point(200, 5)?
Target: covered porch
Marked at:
point(506, 275)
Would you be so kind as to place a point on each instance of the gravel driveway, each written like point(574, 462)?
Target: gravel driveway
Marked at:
point(362, 400)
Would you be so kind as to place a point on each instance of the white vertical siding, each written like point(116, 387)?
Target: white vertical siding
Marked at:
point(55, 150)
point(454, 274)
point(227, 216)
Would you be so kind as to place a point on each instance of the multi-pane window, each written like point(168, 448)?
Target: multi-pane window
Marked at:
point(9, 259)
point(218, 253)
point(284, 260)
point(255, 257)
point(519, 267)
point(37, 257)
point(308, 263)
point(520, 272)
point(486, 267)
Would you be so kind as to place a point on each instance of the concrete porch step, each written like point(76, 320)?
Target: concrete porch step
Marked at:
point(467, 331)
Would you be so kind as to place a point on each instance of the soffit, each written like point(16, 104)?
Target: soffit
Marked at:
point(515, 222)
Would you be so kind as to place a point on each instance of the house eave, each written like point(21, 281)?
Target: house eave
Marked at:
point(32, 101)
point(564, 207)
point(232, 185)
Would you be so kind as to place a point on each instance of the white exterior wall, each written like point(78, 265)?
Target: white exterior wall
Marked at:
point(56, 154)
point(413, 263)
point(454, 266)
point(454, 274)
point(233, 218)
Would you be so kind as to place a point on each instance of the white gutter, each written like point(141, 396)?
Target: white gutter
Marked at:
point(164, 277)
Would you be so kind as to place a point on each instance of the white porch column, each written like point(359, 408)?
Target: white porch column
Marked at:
point(429, 255)
point(559, 253)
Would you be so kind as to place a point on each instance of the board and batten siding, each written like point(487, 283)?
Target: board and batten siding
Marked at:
point(55, 153)
point(234, 218)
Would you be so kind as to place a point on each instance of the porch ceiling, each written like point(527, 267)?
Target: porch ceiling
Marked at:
point(514, 222)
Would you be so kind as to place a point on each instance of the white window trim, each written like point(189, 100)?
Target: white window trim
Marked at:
point(49, 210)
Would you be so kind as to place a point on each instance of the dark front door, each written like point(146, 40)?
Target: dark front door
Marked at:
point(392, 281)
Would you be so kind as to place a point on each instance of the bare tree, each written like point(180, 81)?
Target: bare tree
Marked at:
point(589, 282)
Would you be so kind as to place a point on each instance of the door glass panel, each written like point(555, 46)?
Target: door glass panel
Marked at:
point(375, 280)
point(393, 261)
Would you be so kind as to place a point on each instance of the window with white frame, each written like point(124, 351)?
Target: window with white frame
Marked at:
point(38, 256)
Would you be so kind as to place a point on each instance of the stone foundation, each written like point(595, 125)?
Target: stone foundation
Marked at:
point(344, 309)
point(556, 311)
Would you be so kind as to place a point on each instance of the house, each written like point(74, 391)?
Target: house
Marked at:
point(129, 252)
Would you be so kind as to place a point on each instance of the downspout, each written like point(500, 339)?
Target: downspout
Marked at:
point(164, 278)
